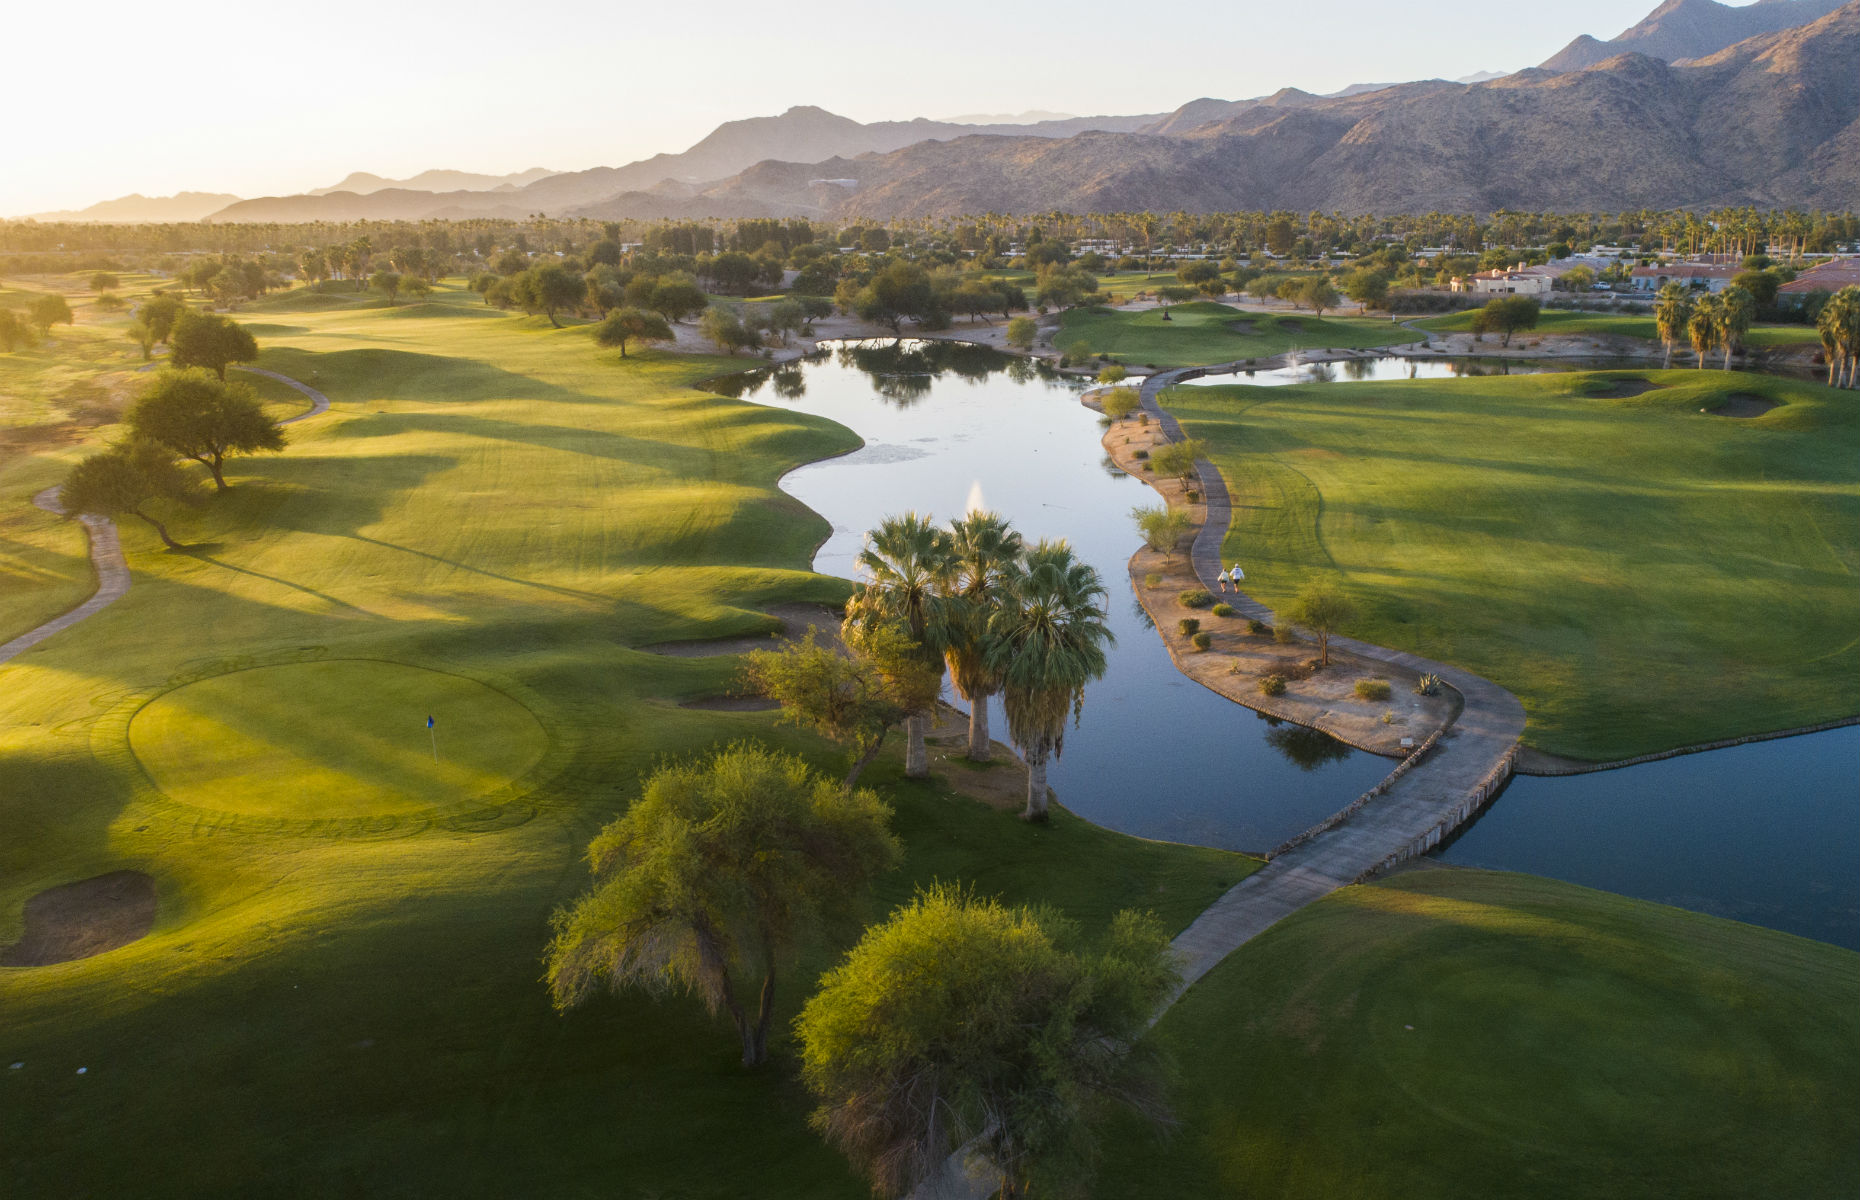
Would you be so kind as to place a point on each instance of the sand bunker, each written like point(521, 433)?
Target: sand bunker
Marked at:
point(1744, 405)
point(78, 920)
point(794, 618)
point(1621, 389)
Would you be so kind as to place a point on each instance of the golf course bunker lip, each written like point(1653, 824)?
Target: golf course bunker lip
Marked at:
point(794, 618)
point(1743, 406)
point(83, 919)
point(1622, 389)
point(334, 739)
point(731, 704)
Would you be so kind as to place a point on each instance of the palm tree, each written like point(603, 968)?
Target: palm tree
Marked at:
point(1737, 310)
point(987, 554)
point(1670, 316)
point(1839, 326)
point(1702, 327)
point(1047, 641)
point(909, 562)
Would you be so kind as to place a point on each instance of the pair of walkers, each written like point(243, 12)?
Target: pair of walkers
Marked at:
point(1235, 577)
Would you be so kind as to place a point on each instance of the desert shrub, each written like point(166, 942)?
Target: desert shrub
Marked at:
point(1372, 689)
point(1193, 496)
point(1223, 610)
point(1272, 685)
point(1203, 640)
point(1141, 455)
point(1255, 626)
point(1427, 685)
point(1152, 579)
point(1282, 633)
point(1188, 625)
point(1197, 598)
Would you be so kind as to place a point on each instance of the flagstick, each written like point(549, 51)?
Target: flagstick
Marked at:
point(435, 734)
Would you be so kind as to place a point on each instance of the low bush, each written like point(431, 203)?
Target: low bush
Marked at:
point(1282, 634)
point(1372, 689)
point(1223, 610)
point(1152, 579)
point(1272, 685)
point(1256, 627)
point(1188, 625)
point(1427, 685)
point(1141, 455)
point(1197, 598)
point(1203, 640)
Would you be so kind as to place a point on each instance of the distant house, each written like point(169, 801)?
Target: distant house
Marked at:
point(1709, 276)
point(1829, 277)
point(1523, 280)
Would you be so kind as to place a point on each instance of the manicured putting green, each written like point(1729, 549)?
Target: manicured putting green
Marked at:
point(346, 738)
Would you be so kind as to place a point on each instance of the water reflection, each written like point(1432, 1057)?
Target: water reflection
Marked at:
point(1306, 748)
point(1383, 370)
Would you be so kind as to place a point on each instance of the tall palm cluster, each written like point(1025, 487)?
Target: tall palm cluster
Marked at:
point(1839, 326)
point(1709, 322)
point(1025, 623)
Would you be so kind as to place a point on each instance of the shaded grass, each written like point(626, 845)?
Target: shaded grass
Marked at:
point(1470, 1033)
point(1202, 333)
point(1643, 575)
point(1622, 325)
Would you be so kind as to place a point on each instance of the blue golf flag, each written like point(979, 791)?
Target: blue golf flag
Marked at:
point(429, 722)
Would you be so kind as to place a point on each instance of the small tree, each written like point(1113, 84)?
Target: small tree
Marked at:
point(160, 312)
point(624, 325)
point(1318, 294)
point(675, 299)
point(204, 340)
point(1120, 402)
point(203, 418)
point(123, 481)
point(104, 281)
point(724, 327)
point(1162, 527)
point(1507, 315)
point(111, 302)
point(1323, 611)
point(1115, 373)
point(48, 311)
point(387, 283)
point(712, 877)
point(845, 697)
point(960, 1019)
point(16, 334)
point(1177, 459)
point(1021, 332)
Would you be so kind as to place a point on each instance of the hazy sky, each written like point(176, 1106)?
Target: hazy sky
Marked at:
point(260, 98)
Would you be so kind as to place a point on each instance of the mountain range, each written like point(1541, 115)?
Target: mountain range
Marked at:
point(1686, 108)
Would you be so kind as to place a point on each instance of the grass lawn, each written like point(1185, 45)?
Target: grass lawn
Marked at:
point(1468, 1033)
point(1202, 332)
point(1642, 574)
point(1625, 325)
point(341, 993)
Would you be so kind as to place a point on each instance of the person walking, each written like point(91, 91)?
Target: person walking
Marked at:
point(1238, 576)
point(1220, 580)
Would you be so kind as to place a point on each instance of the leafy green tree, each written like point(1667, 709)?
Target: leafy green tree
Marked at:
point(624, 325)
point(124, 481)
point(1176, 460)
point(104, 281)
point(1162, 527)
point(160, 312)
point(1318, 294)
point(205, 340)
point(16, 334)
point(1021, 331)
point(710, 880)
point(907, 562)
point(901, 291)
point(1761, 285)
point(1671, 314)
point(551, 288)
point(416, 286)
point(202, 417)
point(1736, 312)
point(724, 326)
point(1064, 286)
point(111, 302)
point(1507, 315)
point(387, 283)
point(985, 553)
point(1367, 287)
point(1047, 640)
point(961, 1020)
point(1115, 373)
point(1323, 611)
point(50, 310)
point(855, 698)
point(1120, 402)
point(675, 298)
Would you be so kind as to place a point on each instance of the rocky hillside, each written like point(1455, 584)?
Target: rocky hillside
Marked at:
point(1686, 29)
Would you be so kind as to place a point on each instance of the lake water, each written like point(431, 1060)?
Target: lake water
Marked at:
point(1767, 833)
point(1369, 370)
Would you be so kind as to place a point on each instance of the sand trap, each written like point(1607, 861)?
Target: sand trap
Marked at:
point(732, 704)
point(1744, 405)
point(1621, 389)
point(79, 920)
point(794, 618)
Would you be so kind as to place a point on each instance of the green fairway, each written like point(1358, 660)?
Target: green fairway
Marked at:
point(1643, 574)
point(342, 990)
point(1201, 333)
point(333, 739)
point(1467, 1033)
point(1623, 325)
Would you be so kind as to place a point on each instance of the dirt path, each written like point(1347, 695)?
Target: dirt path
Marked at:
point(106, 549)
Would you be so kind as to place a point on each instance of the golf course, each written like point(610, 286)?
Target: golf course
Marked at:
point(1202, 333)
point(1648, 559)
point(357, 734)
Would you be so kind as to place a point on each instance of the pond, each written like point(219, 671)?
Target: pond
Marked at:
point(1767, 833)
point(1378, 370)
point(949, 426)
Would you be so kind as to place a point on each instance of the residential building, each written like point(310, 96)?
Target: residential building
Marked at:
point(1709, 276)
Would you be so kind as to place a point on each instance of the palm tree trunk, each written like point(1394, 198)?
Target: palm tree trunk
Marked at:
point(1036, 785)
point(916, 754)
point(980, 744)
